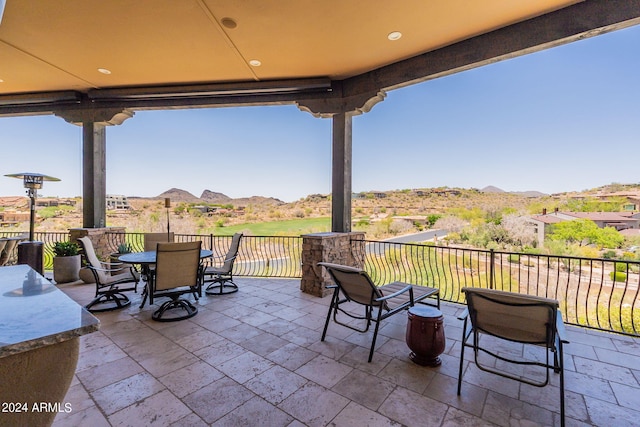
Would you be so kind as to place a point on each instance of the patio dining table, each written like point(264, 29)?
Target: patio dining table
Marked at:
point(149, 257)
point(146, 260)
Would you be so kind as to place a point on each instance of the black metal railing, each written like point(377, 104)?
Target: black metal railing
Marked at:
point(258, 256)
point(594, 293)
point(49, 238)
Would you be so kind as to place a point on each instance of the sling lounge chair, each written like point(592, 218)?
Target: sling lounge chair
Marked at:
point(513, 317)
point(353, 285)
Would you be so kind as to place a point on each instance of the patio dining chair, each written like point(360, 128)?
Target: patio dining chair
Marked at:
point(221, 276)
point(3, 243)
point(379, 303)
point(109, 277)
point(517, 318)
point(151, 240)
point(8, 252)
point(178, 271)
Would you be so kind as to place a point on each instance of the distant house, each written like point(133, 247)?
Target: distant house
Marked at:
point(117, 202)
point(10, 218)
point(633, 199)
point(54, 201)
point(618, 220)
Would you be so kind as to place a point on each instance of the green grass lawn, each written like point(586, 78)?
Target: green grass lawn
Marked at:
point(292, 227)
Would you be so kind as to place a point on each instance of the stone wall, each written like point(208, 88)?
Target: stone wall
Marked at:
point(336, 248)
point(104, 244)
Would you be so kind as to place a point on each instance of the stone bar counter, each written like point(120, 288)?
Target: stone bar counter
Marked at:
point(40, 328)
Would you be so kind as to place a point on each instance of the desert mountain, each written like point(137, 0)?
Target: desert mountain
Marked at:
point(492, 189)
point(177, 195)
point(256, 200)
point(213, 197)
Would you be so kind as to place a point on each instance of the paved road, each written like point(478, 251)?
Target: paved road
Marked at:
point(418, 237)
point(424, 236)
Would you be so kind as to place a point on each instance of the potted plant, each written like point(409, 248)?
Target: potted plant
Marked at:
point(124, 248)
point(121, 249)
point(66, 262)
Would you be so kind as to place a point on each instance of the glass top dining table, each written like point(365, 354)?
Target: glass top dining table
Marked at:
point(149, 257)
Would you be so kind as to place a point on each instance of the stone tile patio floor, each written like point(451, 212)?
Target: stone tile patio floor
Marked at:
point(255, 358)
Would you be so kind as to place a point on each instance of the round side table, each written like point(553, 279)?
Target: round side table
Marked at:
point(425, 335)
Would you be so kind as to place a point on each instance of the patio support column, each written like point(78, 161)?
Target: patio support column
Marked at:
point(341, 173)
point(94, 156)
point(94, 186)
point(341, 106)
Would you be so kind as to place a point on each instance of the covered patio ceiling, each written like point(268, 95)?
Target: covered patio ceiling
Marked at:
point(165, 53)
point(94, 63)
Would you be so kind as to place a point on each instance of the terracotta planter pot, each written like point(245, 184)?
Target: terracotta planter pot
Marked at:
point(66, 269)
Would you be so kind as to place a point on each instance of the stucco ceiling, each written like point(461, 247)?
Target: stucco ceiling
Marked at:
point(61, 45)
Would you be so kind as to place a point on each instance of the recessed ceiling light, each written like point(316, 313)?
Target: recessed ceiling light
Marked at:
point(104, 71)
point(394, 35)
point(1, 81)
point(229, 23)
point(255, 63)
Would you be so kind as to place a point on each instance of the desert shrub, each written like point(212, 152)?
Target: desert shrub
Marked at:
point(618, 276)
point(514, 258)
point(609, 254)
point(621, 267)
point(493, 245)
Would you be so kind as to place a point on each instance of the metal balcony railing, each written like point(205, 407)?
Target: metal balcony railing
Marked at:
point(259, 256)
point(49, 238)
point(594, 293)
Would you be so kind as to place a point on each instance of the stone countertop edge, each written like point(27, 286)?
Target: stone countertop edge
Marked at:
point(35, 313)
point(11, 349)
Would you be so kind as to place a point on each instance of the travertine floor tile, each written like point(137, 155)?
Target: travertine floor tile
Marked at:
point(275, 384)
point(117, 396)
point(255, 358)
point(245, 367)
point(363, 388)
point(109, 373)
point(217, 399)
point(255, 412)
point(291, 356)
point(161, 409)
point(324, 371)
point(191, 378)
point(357, 415)
point(413, 409)
point(314, 405)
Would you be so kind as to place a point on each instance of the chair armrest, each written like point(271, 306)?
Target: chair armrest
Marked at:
point(107, 270)
point(464, 314)
point(220, 257)
point(109, 264)
point(395, 294)
point(560, 329)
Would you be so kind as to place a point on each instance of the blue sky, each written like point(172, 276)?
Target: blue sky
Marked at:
point(564, 119)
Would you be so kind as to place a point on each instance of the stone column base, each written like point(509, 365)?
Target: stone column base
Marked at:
point(337, 248)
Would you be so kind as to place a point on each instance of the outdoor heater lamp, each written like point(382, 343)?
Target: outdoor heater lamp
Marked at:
point(32, 182)
point(32, 253)
point(167, 204)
